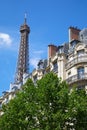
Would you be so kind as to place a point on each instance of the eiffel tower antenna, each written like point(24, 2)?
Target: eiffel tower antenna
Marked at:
point(25, 18)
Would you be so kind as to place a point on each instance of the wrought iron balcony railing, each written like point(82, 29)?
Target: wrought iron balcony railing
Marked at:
point(76, 78)
point(76, 60)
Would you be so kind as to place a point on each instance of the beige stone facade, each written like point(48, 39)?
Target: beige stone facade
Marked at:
point(68, 61)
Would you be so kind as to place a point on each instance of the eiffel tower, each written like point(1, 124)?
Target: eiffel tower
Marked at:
point(23, 57)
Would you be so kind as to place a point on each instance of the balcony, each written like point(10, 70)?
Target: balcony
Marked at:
point(75, 61)
point(77, 78)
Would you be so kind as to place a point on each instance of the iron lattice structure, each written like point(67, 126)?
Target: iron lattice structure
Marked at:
point(23, 57)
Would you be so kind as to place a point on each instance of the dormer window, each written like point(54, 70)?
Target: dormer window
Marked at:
point(80, 52)
point(73, 43)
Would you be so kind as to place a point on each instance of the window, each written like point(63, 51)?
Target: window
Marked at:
point(73, 44)
point(80, 52)
point(55, 67)
point(80, 72)
point(35, 78)
point(69, 73)
point(15, 88)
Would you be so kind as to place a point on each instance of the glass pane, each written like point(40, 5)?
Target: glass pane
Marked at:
point(80, 72)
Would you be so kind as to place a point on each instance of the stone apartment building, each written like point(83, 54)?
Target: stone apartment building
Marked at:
point(68, 61)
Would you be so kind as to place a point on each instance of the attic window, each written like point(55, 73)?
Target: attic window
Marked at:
point(80, 52)
point(81, 36)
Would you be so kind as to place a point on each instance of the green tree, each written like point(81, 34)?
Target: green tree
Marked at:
point(77, 109)
point(52, 97)
point(18, 113)
point(45, 106)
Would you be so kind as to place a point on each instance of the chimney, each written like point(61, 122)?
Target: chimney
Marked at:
point(73, 33)
point(52, 49)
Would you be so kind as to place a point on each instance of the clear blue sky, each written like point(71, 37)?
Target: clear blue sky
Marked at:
point(49, 21)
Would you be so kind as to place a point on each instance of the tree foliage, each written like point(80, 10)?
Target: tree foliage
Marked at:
point(77, 109)
point(48, 105)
